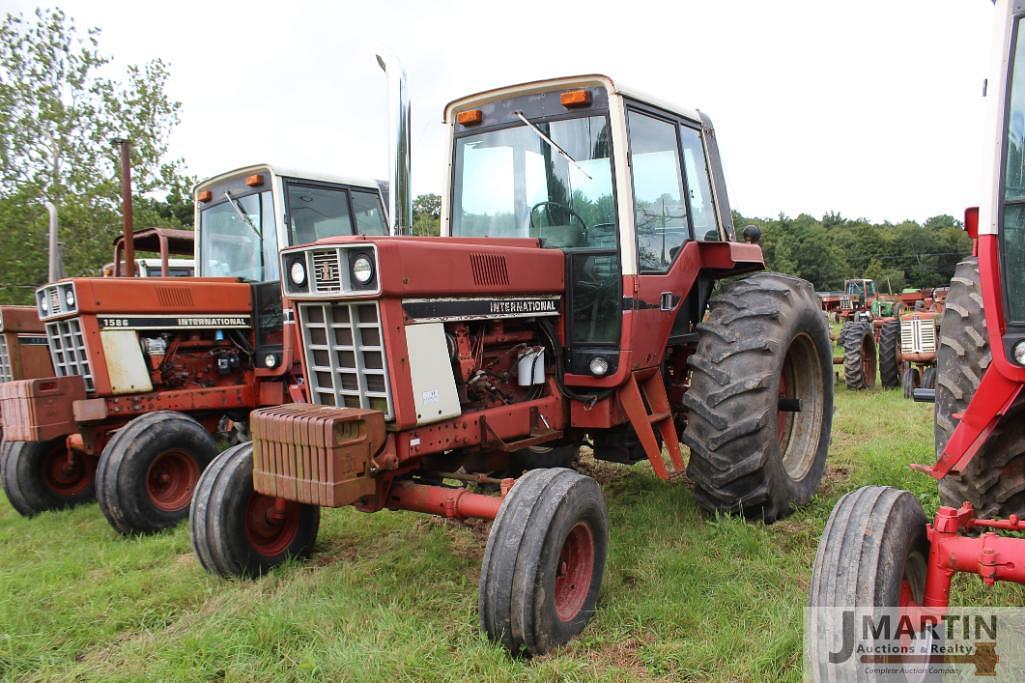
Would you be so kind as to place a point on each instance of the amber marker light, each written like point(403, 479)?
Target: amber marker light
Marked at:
point(470, 117)
point(205, 196)
point(576, 98)
point(254, 180)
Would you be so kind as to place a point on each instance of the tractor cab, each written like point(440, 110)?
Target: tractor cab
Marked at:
point(245, 216)
point(630, 189)
point(861, 291)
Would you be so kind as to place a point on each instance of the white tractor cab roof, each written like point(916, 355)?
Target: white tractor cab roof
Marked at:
point(702, 211)
point(244, 216)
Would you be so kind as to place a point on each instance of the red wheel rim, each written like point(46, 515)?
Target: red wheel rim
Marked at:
point(65, 474)
point(170, 480)
point(574, 573)
point(271, 530)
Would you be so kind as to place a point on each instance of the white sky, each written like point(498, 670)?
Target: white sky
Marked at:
point(870, 108)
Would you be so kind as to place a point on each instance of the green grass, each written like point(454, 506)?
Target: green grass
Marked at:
point(392, 596)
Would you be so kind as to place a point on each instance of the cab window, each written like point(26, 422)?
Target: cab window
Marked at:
point(660, 212)
point(316, 212)
point(699, 185)
point(369, 214)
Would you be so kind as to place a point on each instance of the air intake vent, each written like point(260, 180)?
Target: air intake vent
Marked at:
point(6, 373)
point(172, 296)
point(489, 269)
point(326, 271)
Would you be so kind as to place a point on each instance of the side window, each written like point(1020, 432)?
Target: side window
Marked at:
point(316, 212)
point(270, 238)
point(369, 215)
point(660, 214)
point(699, 184)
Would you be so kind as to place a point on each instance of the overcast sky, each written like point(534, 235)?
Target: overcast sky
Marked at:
point(870, 108)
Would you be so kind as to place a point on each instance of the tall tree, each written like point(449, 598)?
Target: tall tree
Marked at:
point(58, 112)
point(427, 214)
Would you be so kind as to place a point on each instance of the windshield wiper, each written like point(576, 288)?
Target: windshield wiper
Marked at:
point(242, 214)
point(554, 145)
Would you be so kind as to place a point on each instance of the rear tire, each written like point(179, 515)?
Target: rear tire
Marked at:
point(994, 481)
point(36, 476)
point(764, 340)
point(544, 561)
point(872, 553)
point(890, 370)
point(235, 531)
point(537, 457)
point(149, 469)
point(859, 355)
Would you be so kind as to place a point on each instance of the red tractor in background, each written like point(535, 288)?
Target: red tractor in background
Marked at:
point(571, 302)
point(878, 551)
point(150, 370)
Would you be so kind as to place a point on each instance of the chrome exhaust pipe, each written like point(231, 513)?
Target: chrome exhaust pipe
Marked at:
point(400, 200)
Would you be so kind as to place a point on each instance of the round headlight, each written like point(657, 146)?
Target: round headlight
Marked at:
point(270, 360)
point(44, 305)
point(362, 269)
point(1019, 352)
point(297, 272)
point(599, 366)
point(69, 297)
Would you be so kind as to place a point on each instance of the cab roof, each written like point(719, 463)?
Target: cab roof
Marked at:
point(550, 84)
point(290, 173)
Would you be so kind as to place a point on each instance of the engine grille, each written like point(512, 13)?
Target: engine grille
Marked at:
point(6, 372)
point(326, 271)
point(918, 336)
point(68, 350)
point(345, 355)
point(845, 303)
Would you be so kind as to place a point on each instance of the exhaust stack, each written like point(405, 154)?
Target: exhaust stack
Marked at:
point(55, 269)
point(400, 200)
point(125, 147)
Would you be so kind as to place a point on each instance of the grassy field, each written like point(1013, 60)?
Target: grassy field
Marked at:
point(392, 596)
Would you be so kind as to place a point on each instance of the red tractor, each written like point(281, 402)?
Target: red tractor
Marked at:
point(149, 371)
point(23, 350)
point(878, 551)
point(569, 300)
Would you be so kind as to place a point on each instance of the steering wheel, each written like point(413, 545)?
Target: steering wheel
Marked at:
point(547, 206)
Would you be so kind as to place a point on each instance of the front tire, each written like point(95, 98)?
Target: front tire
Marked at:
point(39, 476)
point(544, 561)
point(149, 469)
point(763, 344)
point(237, 531)
point(873, 553)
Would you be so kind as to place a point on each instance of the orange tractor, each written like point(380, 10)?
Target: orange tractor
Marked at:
point(569, 299)
point(878, 553)
point(150, 370)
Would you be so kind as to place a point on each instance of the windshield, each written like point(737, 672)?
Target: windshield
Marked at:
point(230, 245)
point(1013, 232)
point(513, 183)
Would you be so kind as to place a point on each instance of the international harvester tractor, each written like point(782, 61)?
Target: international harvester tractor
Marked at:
point(569, 300)
point(149, 370)
point(878, 551)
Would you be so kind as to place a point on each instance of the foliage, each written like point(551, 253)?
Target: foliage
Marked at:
point(829, 250)
point(427, 214)
point(58, 113)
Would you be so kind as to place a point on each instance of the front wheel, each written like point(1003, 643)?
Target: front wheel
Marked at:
point(544, 561)
point(239, 532)
point(43, 475)
point(148, 470)
point(873, 553)
point(760, 404)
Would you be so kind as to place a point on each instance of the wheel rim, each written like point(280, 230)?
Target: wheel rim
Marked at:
point(63, 475)
point(170, 480)
point(271, 532)
point(799, 432)
point(575, 571)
